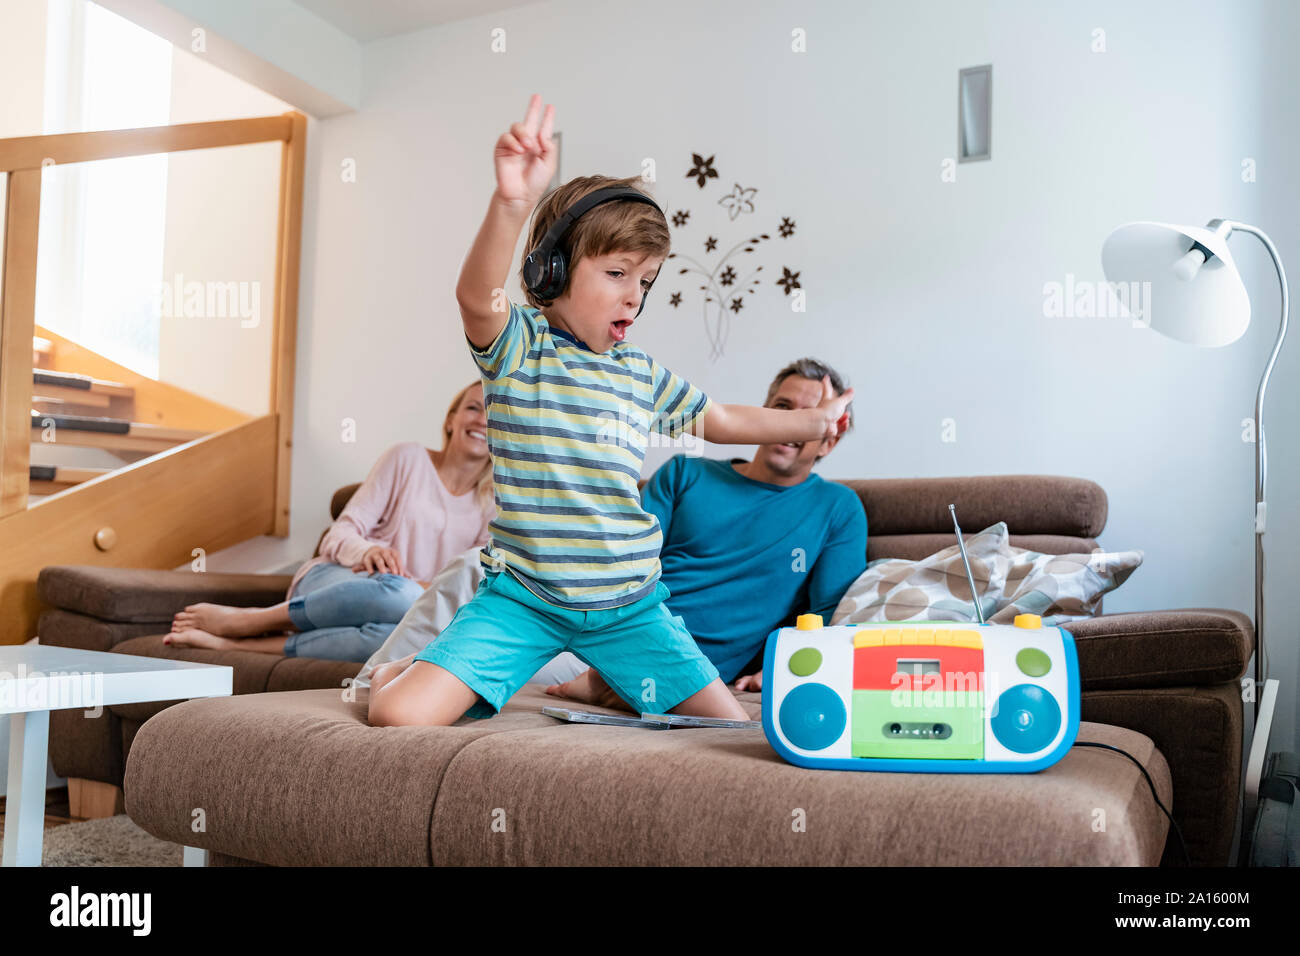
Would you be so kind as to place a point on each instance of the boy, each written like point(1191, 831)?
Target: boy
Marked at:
point(573, 561)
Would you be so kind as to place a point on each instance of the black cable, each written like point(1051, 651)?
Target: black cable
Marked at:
point(1181, 844)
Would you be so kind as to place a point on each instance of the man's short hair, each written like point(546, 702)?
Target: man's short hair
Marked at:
point(813, 369)
point(632, 227)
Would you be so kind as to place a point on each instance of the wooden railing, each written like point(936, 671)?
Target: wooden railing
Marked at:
point(208, 493)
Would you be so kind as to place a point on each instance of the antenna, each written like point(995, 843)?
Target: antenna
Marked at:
point(970, 578)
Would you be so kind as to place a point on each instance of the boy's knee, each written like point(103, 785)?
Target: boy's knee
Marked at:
point(388, 710)
point(400, 707)
point(380, 676)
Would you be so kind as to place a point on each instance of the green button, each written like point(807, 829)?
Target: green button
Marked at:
point(805, 661)
point(1033, 662)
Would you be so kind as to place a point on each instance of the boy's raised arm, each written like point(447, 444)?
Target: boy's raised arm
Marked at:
point(525, 162)
point(754, 425)
point(483, 276)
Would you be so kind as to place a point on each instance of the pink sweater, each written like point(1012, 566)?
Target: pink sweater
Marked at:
point(404, 505)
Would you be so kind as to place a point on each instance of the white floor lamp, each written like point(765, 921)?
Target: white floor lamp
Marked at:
point(1194, 294)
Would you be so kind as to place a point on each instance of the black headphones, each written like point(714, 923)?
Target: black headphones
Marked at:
point(546, 270)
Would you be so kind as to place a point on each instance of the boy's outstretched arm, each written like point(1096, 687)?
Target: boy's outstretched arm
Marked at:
point(525, 162)
point(754, 425)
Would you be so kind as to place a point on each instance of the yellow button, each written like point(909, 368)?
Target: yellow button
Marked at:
point(967, 639)
point(922, 635)
point(808, 622)
point(891, 636)
point(1028, 620)
point(865, 638)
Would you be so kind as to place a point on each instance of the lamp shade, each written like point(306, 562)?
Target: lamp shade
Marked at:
point(1198, 304)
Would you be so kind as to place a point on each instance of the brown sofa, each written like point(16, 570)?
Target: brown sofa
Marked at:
point(288, 771)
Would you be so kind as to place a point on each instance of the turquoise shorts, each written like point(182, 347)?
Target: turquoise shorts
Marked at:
point(506, 633)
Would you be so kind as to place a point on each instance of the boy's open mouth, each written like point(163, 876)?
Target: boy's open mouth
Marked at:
point(619, 329)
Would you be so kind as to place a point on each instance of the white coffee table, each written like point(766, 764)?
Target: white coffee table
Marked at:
point(36, 679)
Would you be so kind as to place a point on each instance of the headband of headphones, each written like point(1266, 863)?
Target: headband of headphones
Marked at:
point(545, 269)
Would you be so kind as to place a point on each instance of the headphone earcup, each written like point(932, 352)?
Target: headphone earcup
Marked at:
point(557, 277)
point(534, 275)
point(644, 296)
point(545, 279)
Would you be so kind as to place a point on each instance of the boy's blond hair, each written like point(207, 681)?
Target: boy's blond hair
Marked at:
point(611, 227)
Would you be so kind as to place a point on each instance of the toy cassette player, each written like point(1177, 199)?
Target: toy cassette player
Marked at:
point(922, 696)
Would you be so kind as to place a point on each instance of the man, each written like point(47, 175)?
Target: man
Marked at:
point(749, 545)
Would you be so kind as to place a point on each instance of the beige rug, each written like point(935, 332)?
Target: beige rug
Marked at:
point(112, 841)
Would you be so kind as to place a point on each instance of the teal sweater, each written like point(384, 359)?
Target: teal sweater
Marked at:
point(743, 557)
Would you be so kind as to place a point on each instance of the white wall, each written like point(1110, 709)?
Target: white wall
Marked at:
point(274, 44)
point(928, 295)
point(22, 68)
point(22, 79)
point(222, 209)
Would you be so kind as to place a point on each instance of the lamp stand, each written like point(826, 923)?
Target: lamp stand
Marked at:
point(1261, 452)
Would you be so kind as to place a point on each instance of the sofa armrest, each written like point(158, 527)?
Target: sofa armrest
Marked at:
point(146, 596)
point(1188, 647)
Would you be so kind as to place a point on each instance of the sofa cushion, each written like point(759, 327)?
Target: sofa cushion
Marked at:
point(1199, 731)
point(254, 673)
point(148, 596)
point(307, 673)
point(297, 777)
point(599, 796)
point(301, 778)
point(1146, 649)
point(914, 547)
point(1030, 504)
point(62, 628)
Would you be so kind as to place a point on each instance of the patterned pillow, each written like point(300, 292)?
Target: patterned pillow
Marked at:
point(1010, 581)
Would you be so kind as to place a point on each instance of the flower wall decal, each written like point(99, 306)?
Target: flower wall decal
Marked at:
point(788, 281)
point(718, 306)
point(703, 170)
point(738, 201)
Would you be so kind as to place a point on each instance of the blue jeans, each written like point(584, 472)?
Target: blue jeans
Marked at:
point(342, 615)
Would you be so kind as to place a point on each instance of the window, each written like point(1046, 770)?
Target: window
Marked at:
point(102, 224)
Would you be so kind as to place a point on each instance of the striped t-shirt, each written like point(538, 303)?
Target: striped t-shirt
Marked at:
point(568, 430)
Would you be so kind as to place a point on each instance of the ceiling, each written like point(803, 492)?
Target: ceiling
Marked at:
point(374, 19)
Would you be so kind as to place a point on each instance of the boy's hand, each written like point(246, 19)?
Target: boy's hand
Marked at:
point(525, 162)
point(834, 407)
point(525, 156)
point(752, 682)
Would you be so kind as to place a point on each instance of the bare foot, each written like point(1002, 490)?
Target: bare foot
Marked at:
point(219, 620)
point(589, 688)
point(194, 637)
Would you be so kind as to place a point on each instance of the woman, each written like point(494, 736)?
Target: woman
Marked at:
point(416, 510)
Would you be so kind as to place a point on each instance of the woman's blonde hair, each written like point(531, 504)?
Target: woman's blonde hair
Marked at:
point(483, 484)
